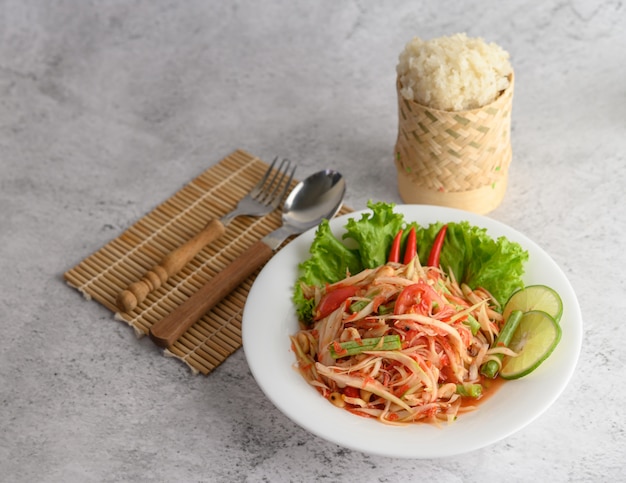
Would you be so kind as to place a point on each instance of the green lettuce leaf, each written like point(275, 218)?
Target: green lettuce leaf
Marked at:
point(480, 261)
point(468, 251)
point(330, 261)
point(374, 234)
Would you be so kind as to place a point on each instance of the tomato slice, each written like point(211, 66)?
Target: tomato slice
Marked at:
point(418, 297)
point(332, 300)
point(351, 392)
point(409, 297)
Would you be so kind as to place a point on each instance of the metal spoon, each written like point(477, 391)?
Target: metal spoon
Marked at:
point(317, 197)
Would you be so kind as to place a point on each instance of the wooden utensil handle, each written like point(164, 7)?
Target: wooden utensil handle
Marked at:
point(167, 330)
point(169, 266)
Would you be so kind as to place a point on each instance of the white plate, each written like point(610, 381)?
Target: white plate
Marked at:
point(269, 319)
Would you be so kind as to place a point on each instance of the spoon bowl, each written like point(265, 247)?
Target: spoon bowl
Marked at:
point(317, 197)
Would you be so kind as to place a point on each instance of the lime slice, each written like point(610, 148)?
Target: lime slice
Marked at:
point(534, 340)
point(535, 297)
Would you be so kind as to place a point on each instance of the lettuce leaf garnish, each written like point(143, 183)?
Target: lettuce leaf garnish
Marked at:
point(480, 261)
point(330, 261)
point(374, 234)
point(468, 251)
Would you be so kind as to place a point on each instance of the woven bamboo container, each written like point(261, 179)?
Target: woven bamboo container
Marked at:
point(456, 159)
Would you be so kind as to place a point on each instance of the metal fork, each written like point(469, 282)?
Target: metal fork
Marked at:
point(265, 196)
point(262, 199)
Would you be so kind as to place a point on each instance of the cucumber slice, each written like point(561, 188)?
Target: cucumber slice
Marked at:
point(536, 337)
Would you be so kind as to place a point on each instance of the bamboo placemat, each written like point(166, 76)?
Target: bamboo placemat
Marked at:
point(124, 260)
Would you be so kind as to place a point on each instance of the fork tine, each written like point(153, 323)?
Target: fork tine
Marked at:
point(274, 186)
point(256, 190)
point(279, 198)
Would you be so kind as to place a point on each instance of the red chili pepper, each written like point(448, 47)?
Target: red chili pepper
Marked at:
point(411, 246)
point(435, 251)
point(394, 253)
point(332, 300)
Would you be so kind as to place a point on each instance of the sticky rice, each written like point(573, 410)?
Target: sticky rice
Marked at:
point(454, 73)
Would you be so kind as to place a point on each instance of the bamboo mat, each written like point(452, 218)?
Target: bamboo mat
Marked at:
point(124, 260)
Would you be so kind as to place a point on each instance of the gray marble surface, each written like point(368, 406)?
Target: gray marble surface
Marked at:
point(108, 108)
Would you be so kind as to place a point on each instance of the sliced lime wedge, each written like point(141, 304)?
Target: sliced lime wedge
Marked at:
point(535, 297)
point(534, 340)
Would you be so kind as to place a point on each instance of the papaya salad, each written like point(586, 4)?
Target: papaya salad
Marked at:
point(397, 319)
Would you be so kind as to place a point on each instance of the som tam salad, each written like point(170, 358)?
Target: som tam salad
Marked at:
point(402, 338)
